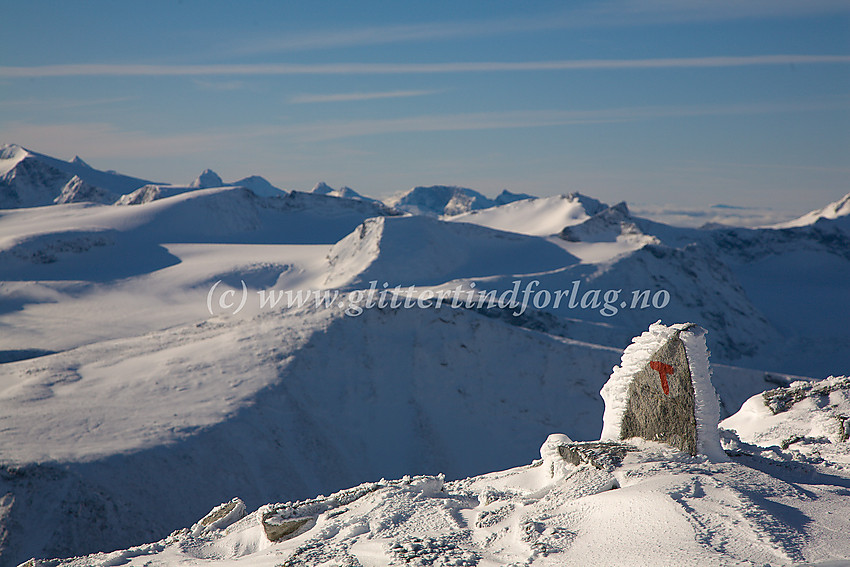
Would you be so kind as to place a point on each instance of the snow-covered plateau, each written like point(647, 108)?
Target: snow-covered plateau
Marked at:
point(135, 402)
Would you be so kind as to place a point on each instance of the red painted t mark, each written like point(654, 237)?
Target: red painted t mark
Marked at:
point(663, 370)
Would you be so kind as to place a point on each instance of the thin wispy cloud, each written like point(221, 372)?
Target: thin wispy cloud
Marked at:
point(109, 140)
point(398, 33)
point(64, 103)
point(653, 12)
point(105, 140)
point(333, 130)
point(354, 97)
point(611, 13)
point(93, 70)
point(220, 85)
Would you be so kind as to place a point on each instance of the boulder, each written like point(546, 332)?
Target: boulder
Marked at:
point(662, 392)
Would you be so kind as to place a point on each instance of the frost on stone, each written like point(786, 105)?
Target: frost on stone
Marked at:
point(662, 392)
point(285, 521)
point(782, 399)
point(809, 417)
point(220, 517)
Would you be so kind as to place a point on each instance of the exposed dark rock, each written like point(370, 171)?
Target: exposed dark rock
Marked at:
point(604, 455)
point(781, 399)
point(661, 402)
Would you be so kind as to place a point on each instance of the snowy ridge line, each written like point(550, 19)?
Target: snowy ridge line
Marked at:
point(353, 303)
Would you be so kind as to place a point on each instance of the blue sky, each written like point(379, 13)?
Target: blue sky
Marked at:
point(680, 103)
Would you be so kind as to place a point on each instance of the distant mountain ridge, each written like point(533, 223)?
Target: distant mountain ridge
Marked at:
point(322, 188)
point(31, 179)
point(733, 279)
point(439, 200)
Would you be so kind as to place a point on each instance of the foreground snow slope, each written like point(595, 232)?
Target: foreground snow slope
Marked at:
point(656, 507)
point(167, 423)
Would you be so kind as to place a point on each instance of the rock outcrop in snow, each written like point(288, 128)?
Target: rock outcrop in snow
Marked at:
point(78, 191)
point(797, 415)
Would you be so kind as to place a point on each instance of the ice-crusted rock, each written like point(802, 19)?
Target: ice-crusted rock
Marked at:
point(220, 517)
point(285, 521)
point(662, 391)
point(560, 455)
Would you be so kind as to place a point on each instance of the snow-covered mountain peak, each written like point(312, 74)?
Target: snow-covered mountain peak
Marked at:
point(31, 179)
point(208, 178)
point(439, 200)
point(591, 206)
point(78, 191)
point(536, 216)
point(417, 250)
point(607, 225)
point(260, 186)
point(10, 156)
point(79, 161)
point(322, 188)
point(347, 192)
point(506, 197)
point(837, 210)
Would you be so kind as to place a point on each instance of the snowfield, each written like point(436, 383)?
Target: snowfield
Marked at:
point(129, 408)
